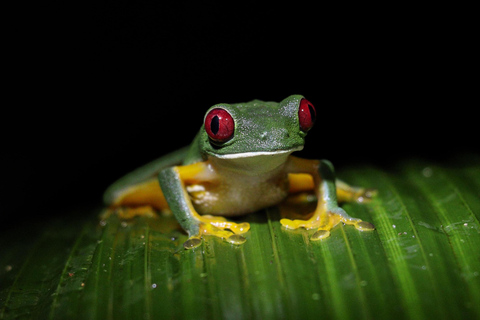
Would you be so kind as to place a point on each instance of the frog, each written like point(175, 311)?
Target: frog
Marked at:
point(240, 162)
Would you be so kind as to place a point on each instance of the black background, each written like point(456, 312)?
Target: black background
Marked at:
point(97, 89)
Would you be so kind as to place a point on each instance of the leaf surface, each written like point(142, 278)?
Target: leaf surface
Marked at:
point(421, 262)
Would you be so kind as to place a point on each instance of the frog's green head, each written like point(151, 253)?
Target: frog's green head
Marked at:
point(235, 131)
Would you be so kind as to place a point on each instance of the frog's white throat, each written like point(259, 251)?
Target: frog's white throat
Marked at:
point(252, 163)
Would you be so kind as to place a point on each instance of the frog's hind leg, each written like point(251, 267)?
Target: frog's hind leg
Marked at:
point(347, 193)
point(301, 182)
point(327, 214)
point(142, 199)
point(138, 193)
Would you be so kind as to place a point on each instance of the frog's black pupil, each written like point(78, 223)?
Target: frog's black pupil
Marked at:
point(214, 125)
point(312, 113)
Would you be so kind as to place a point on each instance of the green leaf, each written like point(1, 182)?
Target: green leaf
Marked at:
point(421, 262)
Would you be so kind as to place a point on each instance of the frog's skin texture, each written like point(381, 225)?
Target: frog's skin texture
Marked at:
point(239, 162)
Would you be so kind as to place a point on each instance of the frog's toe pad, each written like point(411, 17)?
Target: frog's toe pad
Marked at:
point(364, 226)
point(320, 234)
point(236, 239)
point(239, 228)
point(192, 243)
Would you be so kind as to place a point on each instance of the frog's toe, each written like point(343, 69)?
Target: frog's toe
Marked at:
point(366, 195)
point(222, 223)
point(320, 234)
point(292, 224)
point(239, 228)
point(207, 229)
point(295, 224)
point(236, 239)
point(192, 243)
point(364, 226)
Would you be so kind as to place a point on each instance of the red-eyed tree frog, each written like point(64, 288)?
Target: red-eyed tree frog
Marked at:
point(239, 162)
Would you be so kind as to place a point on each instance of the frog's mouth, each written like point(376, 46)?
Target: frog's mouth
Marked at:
point(251, 154)
point(252, 163)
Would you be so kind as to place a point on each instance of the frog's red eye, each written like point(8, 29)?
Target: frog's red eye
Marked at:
point(306, 115)
point(219, 125)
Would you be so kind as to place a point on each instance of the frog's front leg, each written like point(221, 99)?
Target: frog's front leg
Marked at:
point(173, 181)
point(327, 213)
